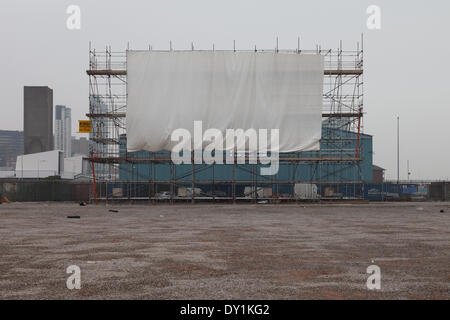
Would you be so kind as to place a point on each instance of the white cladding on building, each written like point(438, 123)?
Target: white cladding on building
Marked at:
point(49, 164)
point(40, 165)
point(63, 130)
point(75, 167)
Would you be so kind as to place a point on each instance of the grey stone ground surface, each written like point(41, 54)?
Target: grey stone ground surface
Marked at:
point(238, 251)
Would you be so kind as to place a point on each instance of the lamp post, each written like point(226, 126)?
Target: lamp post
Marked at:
point(409, 172)
point(398, 155)
point(398, 150)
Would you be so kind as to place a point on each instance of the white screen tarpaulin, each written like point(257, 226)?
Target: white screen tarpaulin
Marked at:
point(225, 90)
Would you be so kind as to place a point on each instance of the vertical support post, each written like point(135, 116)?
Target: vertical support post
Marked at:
point(193, 178)
point(398, 152)
point(320, 175)
point(129, 187)
point(154, 184)
point(213, 189)
point(255, 184)
point(233, 176)
point(407, 165)
point(293, 168)
point(171, 182)
point(93, 176)
point(359, 133)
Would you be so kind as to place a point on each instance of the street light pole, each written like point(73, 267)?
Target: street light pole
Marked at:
point(398, 150)
point(409, 173)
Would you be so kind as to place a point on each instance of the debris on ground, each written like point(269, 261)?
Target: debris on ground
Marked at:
point(83, 204)
point(73, 217)
point(289, 252)
point(112, 210)
point(4, 200)
point(442, 211)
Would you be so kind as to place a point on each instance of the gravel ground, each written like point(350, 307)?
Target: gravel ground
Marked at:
point(225, 251)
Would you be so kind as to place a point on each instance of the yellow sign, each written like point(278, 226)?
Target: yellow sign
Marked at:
point(84, 126)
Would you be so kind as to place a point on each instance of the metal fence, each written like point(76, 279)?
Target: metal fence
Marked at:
point(59, 190)
point(22, 191)
point(172, 191)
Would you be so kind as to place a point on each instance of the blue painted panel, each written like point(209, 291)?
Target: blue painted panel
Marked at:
point(303, 172)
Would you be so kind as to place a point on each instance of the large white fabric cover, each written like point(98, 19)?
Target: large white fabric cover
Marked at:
point(226, 90)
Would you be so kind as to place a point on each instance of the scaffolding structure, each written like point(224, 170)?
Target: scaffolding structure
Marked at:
point(343, 100)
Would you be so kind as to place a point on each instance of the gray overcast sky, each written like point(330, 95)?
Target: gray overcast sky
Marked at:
point(406, 62)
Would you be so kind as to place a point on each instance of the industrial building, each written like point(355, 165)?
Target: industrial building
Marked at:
point(11, 146)
point(338, 170)
point(378, 174)
point(38, 119)
point(50, 164)
point(338, 178)
point(75, 167)
point(40, 165)
point(80, 147)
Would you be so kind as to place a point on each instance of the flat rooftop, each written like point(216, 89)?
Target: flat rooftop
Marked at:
point(225, 251)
